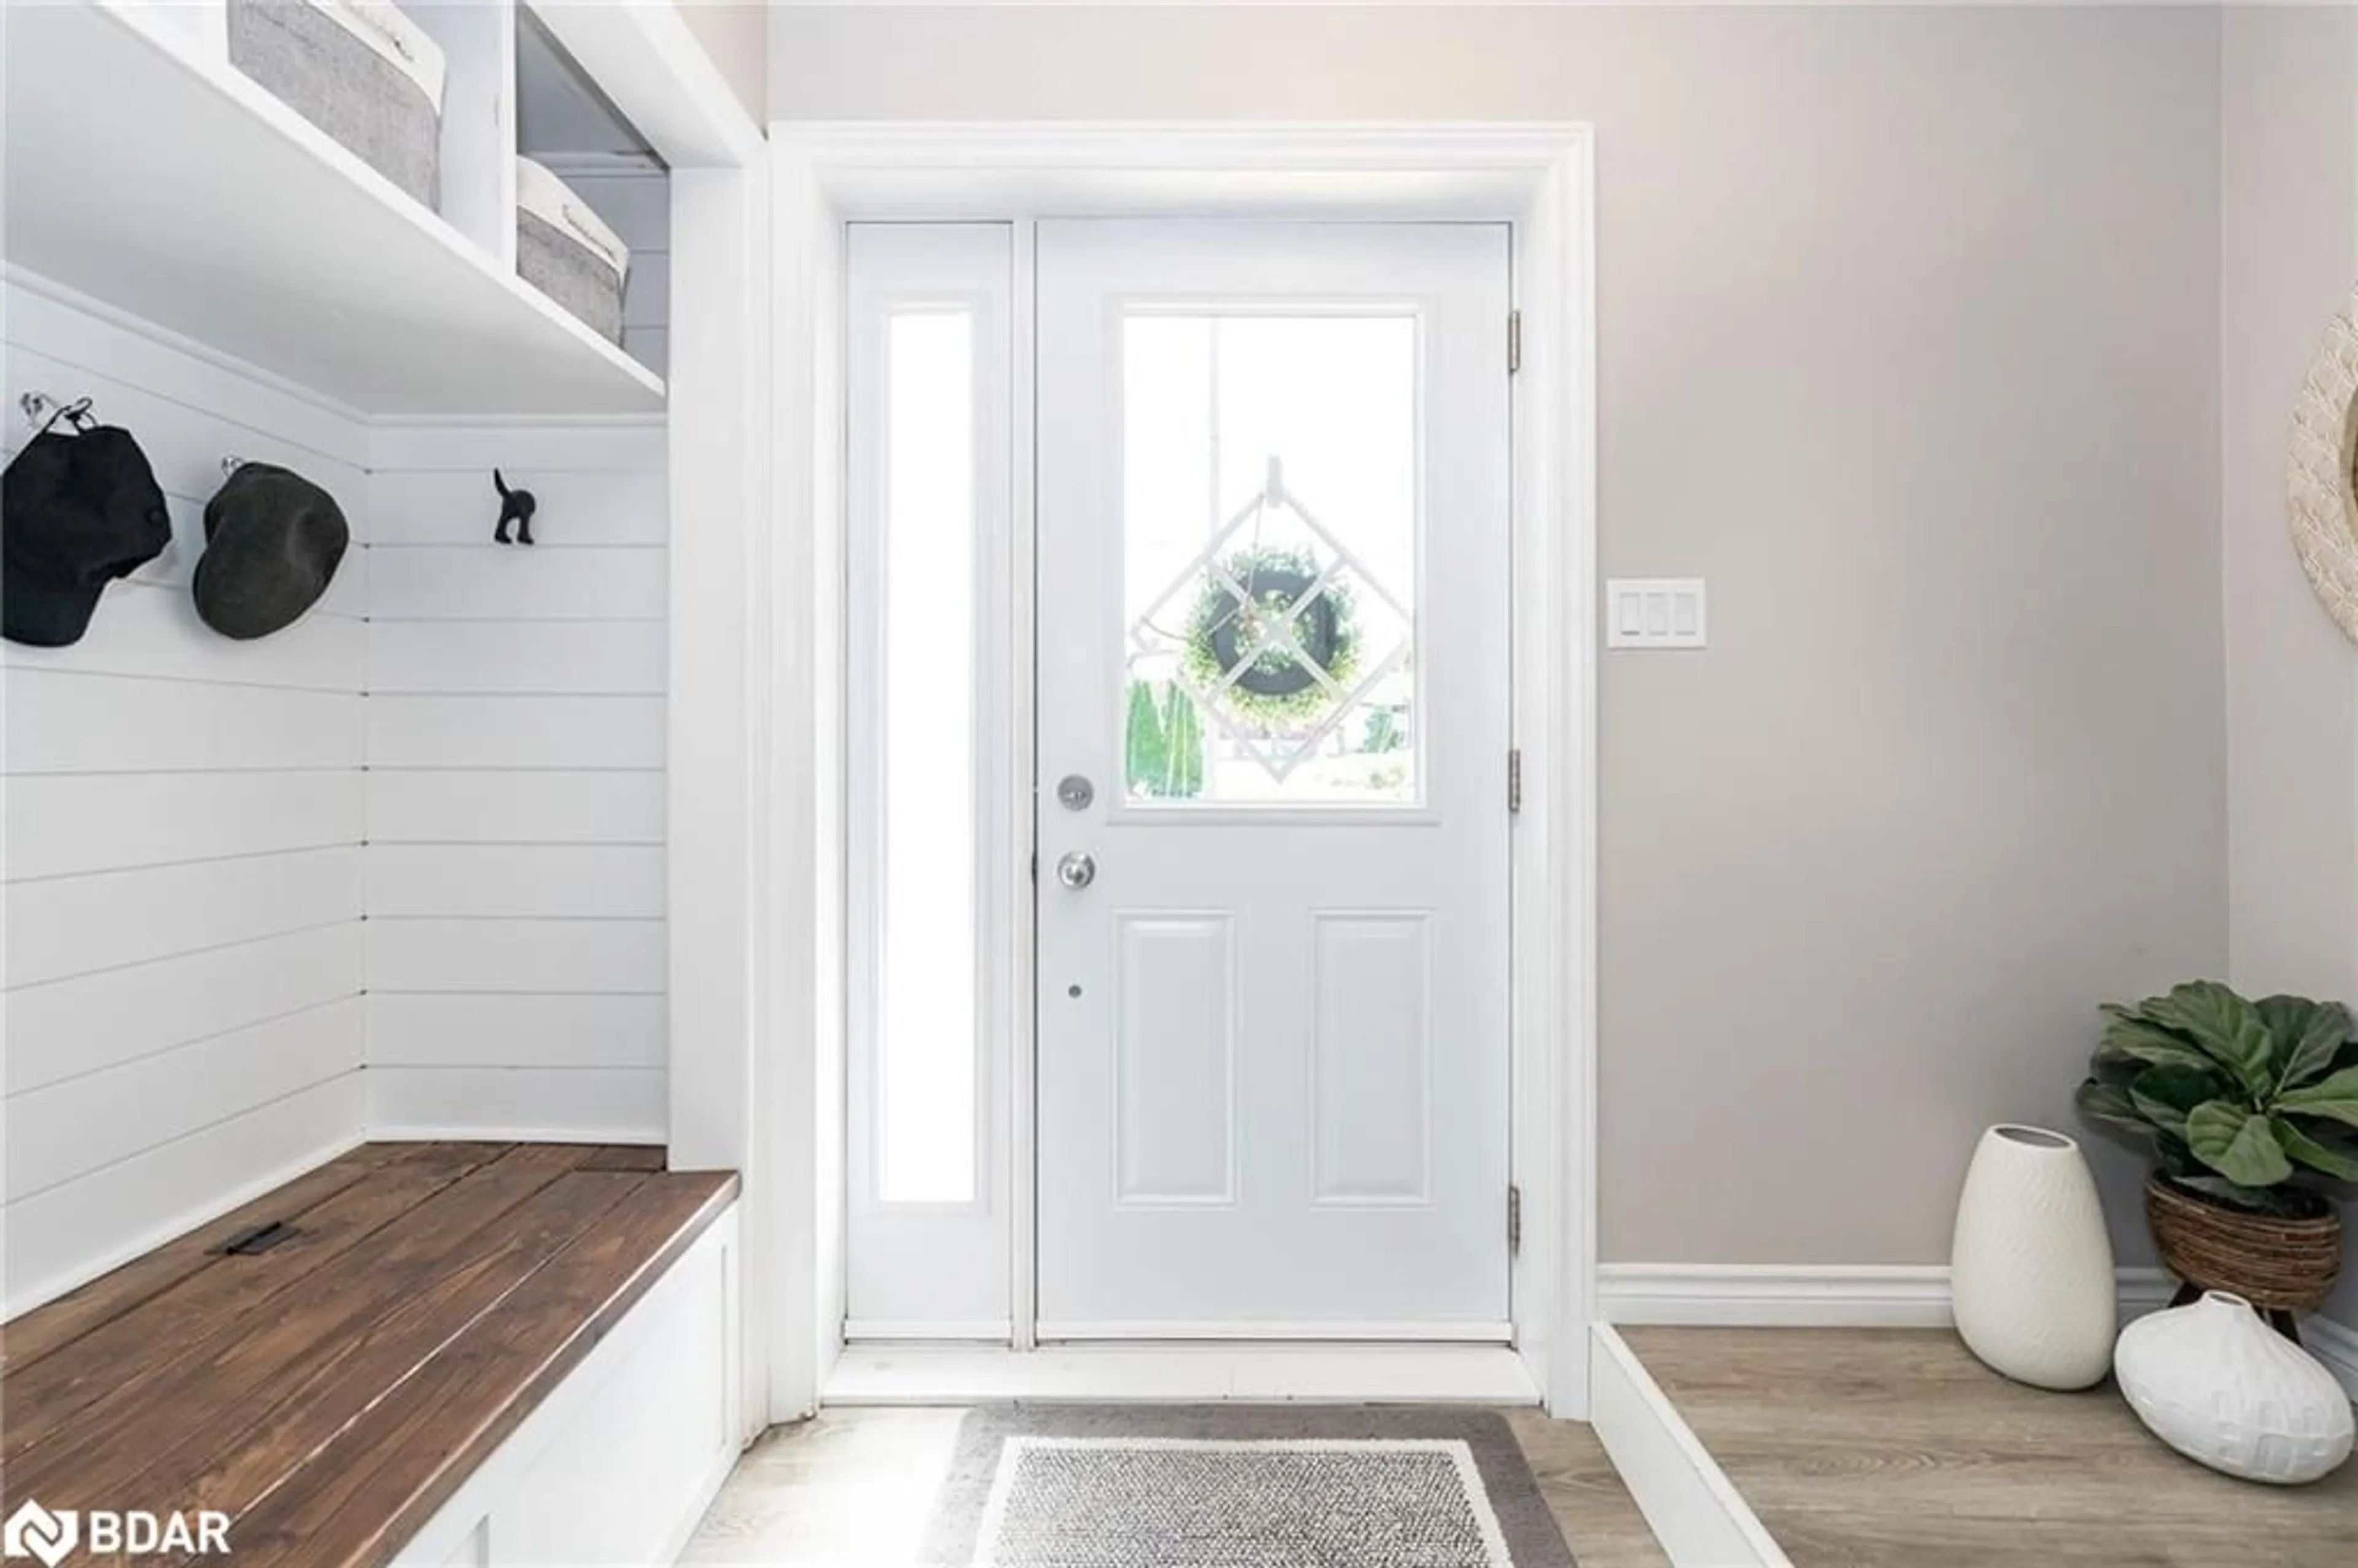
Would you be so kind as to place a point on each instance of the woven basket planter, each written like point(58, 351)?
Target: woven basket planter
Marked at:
point(2272, 1261)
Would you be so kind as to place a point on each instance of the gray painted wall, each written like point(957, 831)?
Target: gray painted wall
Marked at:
point(734, 33)
point(1909, 344)
point(2290, 250)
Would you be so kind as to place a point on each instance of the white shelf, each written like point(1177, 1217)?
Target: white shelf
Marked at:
point(146, 174)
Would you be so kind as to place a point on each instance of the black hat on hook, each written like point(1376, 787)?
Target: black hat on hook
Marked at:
point(273, 540)
point(76, 513)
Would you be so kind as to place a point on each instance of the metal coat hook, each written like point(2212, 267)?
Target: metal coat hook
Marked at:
point(231, 464)
point(42, 411)
point(516, 506)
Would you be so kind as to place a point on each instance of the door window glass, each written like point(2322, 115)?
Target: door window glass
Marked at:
point(926, 995)
point(1270, 542)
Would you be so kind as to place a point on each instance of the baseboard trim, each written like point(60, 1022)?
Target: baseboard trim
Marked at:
point(2336, 1344)
point(1771, 1295)
point(1693, 1509)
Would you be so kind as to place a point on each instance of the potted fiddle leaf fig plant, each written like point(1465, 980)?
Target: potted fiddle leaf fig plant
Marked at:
point(2249, 1112)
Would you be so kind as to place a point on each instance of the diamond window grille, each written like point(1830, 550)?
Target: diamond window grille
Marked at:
point(1272, 631)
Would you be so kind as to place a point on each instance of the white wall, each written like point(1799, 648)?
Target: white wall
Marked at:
point(183, 828)
point(1908, 343)
point(2289, 258)
point(516, 953)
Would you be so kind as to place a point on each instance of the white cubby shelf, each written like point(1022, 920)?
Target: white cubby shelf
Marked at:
point(145, 171)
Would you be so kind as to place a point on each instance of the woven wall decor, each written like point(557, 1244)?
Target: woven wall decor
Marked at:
point(2322, 469)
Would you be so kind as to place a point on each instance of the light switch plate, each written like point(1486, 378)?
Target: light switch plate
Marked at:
point(1654, 613)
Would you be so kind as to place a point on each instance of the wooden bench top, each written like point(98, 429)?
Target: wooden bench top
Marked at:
point(331, 1391)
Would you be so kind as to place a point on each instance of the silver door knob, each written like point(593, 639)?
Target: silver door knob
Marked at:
point(1076, 871)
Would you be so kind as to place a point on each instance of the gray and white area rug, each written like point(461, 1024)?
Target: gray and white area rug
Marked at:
point(1241, 1487)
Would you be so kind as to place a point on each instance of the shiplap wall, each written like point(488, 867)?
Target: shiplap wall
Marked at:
point(515, 948)
point(183, 823)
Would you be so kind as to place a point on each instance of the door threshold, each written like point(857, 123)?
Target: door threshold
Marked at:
point(905, 1374)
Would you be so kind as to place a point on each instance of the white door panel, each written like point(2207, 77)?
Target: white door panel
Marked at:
point(1274, 635)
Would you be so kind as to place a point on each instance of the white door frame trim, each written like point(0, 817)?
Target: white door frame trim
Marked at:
point(1538, 176)
point(716, 831)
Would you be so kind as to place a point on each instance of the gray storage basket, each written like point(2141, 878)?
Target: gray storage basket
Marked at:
point(567, 252)
point(316, 66)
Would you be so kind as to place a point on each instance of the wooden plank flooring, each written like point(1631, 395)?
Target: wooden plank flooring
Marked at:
point(1599, 1519)
point(1894, 1448)
point(855, 1488)
point(330, 1392)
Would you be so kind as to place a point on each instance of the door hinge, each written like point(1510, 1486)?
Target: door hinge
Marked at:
point(1034, 870)
point(1514, 341)
point(1514, 1220)
point(1514, 780)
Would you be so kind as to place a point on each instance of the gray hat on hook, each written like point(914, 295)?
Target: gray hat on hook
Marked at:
point(273, 540)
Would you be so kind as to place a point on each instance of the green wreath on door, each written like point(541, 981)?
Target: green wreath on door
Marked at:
point(1275, 687)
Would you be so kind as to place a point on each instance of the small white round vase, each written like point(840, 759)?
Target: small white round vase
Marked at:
point(2031, 1269)
point(2225, 1390)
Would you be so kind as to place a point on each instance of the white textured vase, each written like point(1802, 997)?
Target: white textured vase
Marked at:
point(2031, 1269)
point(2225, 1390)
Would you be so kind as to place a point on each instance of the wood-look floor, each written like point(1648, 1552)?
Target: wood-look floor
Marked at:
point(330, 1392)
point(1894, 1448)
point(854, 1488)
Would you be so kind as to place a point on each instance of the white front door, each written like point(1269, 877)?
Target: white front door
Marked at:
point(1272, 613)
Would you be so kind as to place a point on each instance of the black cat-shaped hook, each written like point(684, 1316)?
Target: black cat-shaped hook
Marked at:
point(516, 506)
